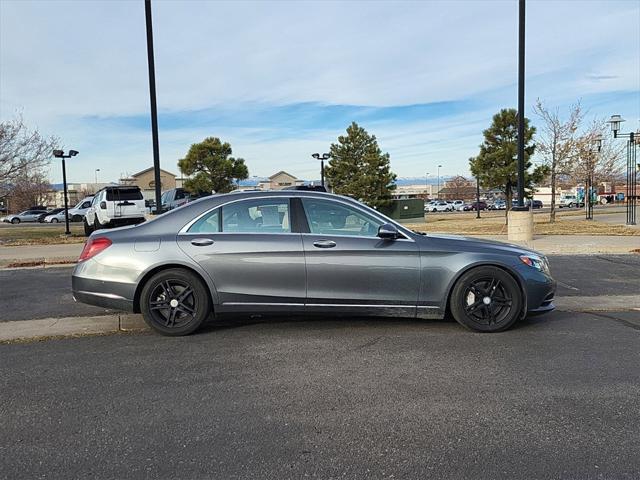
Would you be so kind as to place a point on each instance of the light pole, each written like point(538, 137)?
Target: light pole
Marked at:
point(438, 192)
point(521, 119)
point(632, 180)
point(96, 172)
point(426, 186)
point(60, 154)
point(588, 184)
point(154, 106)
point(477, 197)
point(325, 156)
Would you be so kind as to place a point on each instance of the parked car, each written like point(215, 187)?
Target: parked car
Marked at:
point(481, 205)
point(26, 216)
point(570, 201)
point(49, 212)
point(458, 205)
point(115, 206)
point(442, 207)
point(534, 204)
point(176, 197)
point(497, 205)
point(76, 214)
point(306, 252)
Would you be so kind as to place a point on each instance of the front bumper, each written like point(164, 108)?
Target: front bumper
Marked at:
point(540, 294)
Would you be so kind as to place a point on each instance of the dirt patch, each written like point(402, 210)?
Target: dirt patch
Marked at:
point(39, 263)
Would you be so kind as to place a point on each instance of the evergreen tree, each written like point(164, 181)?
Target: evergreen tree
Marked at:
point(496, 166)
point(358, 168)
point(212, 166)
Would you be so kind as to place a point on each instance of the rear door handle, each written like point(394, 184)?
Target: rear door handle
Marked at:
point(201, 242)
point(324, 244)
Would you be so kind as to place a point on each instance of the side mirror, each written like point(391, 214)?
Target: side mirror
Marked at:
point(388, 232)
point(103, 205)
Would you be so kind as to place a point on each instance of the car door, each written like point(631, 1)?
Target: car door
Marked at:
point(351, 268)
point(253, 257)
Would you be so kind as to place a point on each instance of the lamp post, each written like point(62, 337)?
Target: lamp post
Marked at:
point(632, 180)
point(438, 192)
point(61, 154)
point(521, 118)
point(477, 197)
point(588, 184)
point(96, 172)
point(325, 156)
point(426, 186)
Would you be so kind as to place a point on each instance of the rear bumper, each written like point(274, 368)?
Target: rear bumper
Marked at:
point(114, 295)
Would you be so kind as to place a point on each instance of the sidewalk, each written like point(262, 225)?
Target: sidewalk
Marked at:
point(575, 244)
point(64, 252)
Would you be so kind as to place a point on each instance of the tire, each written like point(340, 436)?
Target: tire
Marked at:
point(571, 205)
point(165, 311)
point(15, 221)
point(76, 218)
point(88, 230)
point(54, 220)
point(96, 224)
point(486, 299)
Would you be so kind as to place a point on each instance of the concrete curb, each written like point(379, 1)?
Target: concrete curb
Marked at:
point(45, 328)
point(70, 326)
point(604, 303)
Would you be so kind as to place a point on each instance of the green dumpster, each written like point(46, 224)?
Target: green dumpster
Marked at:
point(406, 210)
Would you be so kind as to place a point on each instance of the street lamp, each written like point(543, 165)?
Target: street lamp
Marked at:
point(426, 185)
point(438, 192)
point(325, 156)
point(97, 170)
point(60, 154)
point(588, 184)
point(632, 179)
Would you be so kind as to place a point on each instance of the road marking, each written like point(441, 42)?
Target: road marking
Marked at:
point(567, 286)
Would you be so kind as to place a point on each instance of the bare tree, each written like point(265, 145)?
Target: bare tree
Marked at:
point(606, 165)
point(556, 143)
point(29, 190)
point(22, 150)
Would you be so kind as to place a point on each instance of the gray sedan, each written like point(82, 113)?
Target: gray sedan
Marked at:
point(26, 216)
point(309, 253)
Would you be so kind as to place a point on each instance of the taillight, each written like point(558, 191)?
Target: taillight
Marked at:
point(93, 247)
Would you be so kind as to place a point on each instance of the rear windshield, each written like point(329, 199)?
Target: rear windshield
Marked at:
point(124, 194)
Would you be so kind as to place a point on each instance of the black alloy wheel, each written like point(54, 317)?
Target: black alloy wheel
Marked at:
point(175, 302)
point(486, 299)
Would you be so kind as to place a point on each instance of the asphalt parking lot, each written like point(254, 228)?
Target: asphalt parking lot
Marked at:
point(556, 397)
point(46, 292)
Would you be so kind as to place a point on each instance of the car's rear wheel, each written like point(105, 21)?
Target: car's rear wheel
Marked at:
point(175, 302)
point(486, 299)
point(96, 223)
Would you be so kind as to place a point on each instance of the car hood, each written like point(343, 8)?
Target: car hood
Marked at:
point(486, 243)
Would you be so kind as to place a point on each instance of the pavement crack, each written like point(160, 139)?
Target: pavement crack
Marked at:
point(370, 343)
point(624, 322)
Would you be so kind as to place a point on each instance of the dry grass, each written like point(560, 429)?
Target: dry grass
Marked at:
point(493, 223)
point(15, 235)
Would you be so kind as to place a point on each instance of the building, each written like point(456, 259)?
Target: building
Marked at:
point(145, 179)
point(279, 180)
point(415, 191)
point(458, 188)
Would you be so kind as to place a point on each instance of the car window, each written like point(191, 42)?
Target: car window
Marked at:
point(180, 194)
point(118, 194)
point(210, 223)
point(257, 216)
point(86, 205)
point(332, 218)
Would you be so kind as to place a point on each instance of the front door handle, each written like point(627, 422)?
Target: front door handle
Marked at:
point(202, 242)
point(324, 244)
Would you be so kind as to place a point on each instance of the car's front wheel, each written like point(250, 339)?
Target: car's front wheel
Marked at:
point(175, 302)
point(54, 220)
point(486, 299)
point(15, 221)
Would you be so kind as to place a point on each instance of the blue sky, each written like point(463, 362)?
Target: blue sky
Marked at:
point(281, 80)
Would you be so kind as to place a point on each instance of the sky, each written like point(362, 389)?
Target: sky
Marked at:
point(280, 80)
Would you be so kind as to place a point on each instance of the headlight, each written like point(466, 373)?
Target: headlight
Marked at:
point(537, 262)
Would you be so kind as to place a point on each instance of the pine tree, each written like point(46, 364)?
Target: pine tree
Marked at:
point(358, 168)
point(212, 166)
point(496, 166)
